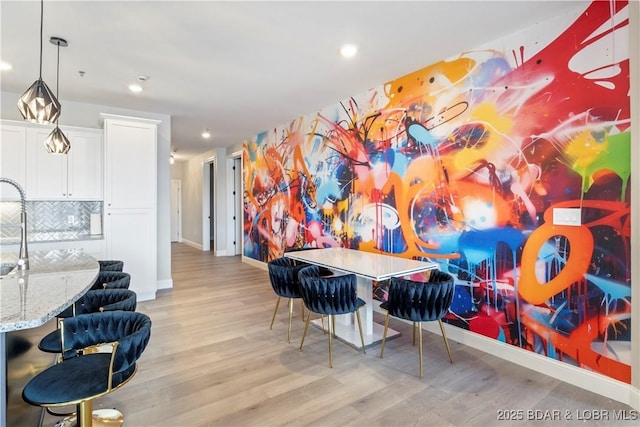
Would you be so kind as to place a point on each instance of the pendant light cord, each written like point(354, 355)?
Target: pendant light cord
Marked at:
point(58, 77)
point(41, 25)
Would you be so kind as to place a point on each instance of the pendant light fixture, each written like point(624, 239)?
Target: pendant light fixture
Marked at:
point(38, 104)
point(57, 142)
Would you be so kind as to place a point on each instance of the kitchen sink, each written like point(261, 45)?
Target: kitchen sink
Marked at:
point(6, 268)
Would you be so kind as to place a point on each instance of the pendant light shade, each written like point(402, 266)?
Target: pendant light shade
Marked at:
point(57, 142)
point(38, 104)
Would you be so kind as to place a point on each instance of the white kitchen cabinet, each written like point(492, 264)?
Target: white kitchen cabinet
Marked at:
point(130, 207)
point(130, 236)
point(74, 176)
point(130, 163)
point(13, 158)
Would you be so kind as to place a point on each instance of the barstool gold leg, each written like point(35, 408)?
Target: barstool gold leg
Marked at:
point(84, 414)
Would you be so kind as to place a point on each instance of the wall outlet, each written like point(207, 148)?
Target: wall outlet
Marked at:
point(70, 219)
point(567, 216)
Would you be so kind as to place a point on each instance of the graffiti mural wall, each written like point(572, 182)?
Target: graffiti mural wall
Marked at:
point(463, 162)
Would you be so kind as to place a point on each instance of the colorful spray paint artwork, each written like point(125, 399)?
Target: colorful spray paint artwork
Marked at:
point(463, 163)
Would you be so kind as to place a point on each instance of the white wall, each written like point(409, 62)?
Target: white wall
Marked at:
point(176, 170)
point(88, 115)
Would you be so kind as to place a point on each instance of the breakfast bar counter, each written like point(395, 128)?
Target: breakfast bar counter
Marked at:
point(28, 299)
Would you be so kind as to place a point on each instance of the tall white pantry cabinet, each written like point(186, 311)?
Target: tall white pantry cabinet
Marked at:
point(130, 194)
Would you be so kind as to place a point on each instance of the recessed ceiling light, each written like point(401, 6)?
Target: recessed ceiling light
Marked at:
point(348, 50)
point(137, 87)
point(206, 134)
point(5, 66)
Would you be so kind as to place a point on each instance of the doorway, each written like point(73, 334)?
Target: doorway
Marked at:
point(237, 204)
point(212, 199)
point(209, 171)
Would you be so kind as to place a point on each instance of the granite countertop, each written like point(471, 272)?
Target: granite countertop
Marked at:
point(54, 281)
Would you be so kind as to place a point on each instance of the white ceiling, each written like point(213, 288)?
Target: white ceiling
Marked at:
point(237, 67)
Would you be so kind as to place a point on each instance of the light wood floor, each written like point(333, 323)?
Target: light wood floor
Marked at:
point(212, 361)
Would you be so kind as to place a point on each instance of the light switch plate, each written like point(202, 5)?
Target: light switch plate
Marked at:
point(567, 216)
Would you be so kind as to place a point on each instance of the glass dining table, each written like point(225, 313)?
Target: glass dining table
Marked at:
point(367, 266)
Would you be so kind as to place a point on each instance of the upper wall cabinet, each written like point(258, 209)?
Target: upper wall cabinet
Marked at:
point(130, 161)
point(74, 176)
point(13, 154)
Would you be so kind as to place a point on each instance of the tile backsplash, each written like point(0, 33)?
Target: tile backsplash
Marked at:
point(48, 220)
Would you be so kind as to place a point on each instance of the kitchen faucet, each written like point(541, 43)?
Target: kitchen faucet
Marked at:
point(23, 259)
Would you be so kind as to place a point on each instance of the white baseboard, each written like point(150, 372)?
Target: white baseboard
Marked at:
point(192, 244)
point(255, 263)
point(146, 296)
point(165, 284)
point(221, 253)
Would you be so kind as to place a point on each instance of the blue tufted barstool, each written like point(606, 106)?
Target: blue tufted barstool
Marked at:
point(112, 280)
point(91, 374)
point(329, 295)
point(419, 302)
point(111, 265)
point(283, 275)
point(95, 301)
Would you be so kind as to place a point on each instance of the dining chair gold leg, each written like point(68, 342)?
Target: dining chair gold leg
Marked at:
point(331, 332)
point(274, 313)
point(420, 345)
point(322, 323)
point(360, 328)
point(333, 325)
point(384, 334)
point(304, 334)
point(290, 317)
point(413, 326)
point(446, 341)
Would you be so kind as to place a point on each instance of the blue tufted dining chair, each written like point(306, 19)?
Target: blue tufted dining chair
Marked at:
point(329, 295)
point(91, 374)
point(419, 302)
point(111, 265)
point(283, 275)
point(95, 301)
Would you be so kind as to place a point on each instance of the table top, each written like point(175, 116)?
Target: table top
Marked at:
point(373, 266)
point(55, 280)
